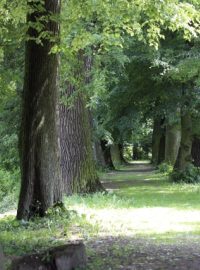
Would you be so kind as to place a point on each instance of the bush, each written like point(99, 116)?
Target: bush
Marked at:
point(190, 175)
point(165, 168)
point(9, 129)
point(9, 183)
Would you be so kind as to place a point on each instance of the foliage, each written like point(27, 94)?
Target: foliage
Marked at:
point(11, 80)
point(190, 175)
point(101, 29)
point(128, 152)
point(9, 182)
point(9, 128)
point(165, 168)
point(103, 23)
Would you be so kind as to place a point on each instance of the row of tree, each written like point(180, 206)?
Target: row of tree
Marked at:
point(88, 87)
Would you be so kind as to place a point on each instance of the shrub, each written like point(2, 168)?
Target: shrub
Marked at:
point(190, 175)
point(9, 183)
point(165, 168)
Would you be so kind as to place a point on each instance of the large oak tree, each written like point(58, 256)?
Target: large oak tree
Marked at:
point(39, 149)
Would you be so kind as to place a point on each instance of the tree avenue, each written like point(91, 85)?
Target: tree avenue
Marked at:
point(99, 132)
point(119, 94)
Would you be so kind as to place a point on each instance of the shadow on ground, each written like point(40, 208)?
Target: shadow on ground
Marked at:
point(137, 168)
point(138, 254)
point(130, 183)
point(140, 186)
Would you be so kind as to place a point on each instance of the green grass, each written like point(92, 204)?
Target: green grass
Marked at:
point(150, 205)
point(144, 205)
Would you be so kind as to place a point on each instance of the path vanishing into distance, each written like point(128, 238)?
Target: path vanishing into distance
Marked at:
point(150, 226)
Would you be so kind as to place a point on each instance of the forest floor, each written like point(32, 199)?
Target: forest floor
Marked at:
point(143, 222)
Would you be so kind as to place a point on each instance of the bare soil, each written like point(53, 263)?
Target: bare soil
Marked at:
point(144, 254)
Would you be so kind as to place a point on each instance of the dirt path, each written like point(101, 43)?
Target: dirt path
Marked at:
point(140, 253)
point(141, 168)
point(143, 254)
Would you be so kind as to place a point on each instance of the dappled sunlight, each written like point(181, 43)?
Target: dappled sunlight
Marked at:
point(142, 204)
point(9, 213)
point(139, 162)
point(147, 221)
point(119, 176)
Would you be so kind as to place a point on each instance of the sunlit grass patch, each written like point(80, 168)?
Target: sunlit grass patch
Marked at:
point(153, 190)
point(143, 204)
point(163, 195)
point(122, 176)
point(143, 221)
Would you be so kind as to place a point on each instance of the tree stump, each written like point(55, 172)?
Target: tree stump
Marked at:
point(67, 257)
point(2, 259)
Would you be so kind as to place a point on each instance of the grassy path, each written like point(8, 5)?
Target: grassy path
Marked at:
point(152, 223)
point(143, 222)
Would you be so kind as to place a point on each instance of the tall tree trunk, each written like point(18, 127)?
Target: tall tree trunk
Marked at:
point(77, 160)
point(196, 142)
point(136, 154)
point(77, 163)
point(156, 137)
point(184, 154)
point(196, 152)
point(115, 155)
point(98, 154)
point(172, 143)
point(41, 184)
point(161, 151)
point(107, 155)
point(96, 145)
point(121, 153)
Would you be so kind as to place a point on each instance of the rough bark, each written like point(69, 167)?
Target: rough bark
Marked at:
point(136, 154)
point(172, 143)
point(115, 155)
point(98, 154)
point(196, 142)
point(161, 151)
point(77, 161)
point(96, 145)
point(156, 137)
point(2, 259)
point(107, 155)
point(196, 151)
point(41, 185)
point(184, 154)
point(121, 153)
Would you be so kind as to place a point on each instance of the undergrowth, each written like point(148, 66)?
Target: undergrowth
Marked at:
point(190, 175)
point(165, 168)
point(9, 189)
point(23, 237)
